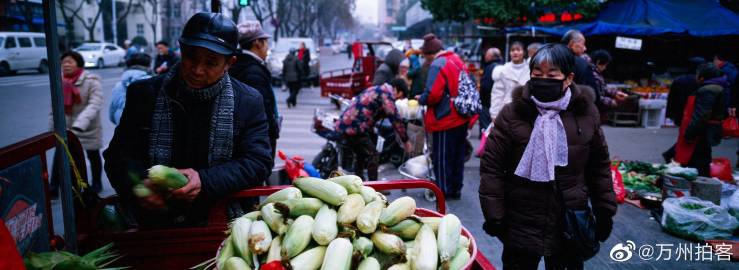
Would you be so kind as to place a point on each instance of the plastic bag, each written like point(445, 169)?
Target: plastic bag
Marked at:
point(687, 173)
point(730, 127)
point(733, 204)
point(483, 141)
point(695, 219)
point(721, 169)
point(618, 184)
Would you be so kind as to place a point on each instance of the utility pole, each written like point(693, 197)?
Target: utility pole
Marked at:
point(115, 23)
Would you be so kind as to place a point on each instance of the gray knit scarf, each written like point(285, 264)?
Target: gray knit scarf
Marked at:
point(221, 122)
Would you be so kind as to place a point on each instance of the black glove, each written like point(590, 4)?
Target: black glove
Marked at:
point(493, 228)
point(603, 227)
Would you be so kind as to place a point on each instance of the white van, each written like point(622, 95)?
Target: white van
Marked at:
point(22, 51)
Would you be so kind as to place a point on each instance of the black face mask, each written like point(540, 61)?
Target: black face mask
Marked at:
point(545, 90)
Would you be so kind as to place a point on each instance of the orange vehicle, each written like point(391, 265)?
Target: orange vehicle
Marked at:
point(348, 82)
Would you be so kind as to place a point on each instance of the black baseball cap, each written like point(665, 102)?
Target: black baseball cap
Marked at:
point(211, 31)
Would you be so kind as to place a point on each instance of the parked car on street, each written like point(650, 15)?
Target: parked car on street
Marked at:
point(19, 51)
point(282, 48)
point(100, 55)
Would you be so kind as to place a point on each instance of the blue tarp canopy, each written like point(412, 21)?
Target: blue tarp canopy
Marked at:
point(701, 18)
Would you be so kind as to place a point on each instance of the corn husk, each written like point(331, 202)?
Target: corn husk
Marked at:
point(460, 260)
point(309, 260)
point(299, 207)
point(398, 210)
point(388, 243)
point(235, 263)
point(274, 250)
point(464, 242)
point(167, 177)
point(227, 251)
point(406, 229)
point(433, 222)
point(447, 238)
point(297, 237)
point(329, 192)
point(324, 227)
point(368, 194)
point(283, 195)
point(240, 228)
point(369, 263)
point(363, 246)
point(400, 266)
point(274, 219)
point(352, 183)
point(260, 237)
point(349, 211)
point(254, 215)
point(340, 255)
point(425, 255)
point(369, 217)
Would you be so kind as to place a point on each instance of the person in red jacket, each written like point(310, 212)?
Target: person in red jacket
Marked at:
point(448, 128)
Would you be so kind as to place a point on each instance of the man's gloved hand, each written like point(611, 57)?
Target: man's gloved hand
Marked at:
point(603, 227)
point(493, 228)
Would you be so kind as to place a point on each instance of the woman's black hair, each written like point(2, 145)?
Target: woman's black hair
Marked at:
point(556, 55)
point(519, 44)
point(601, 57)
point(709, 71)
point(139, 59)
point(76, 56)
point(400, 85)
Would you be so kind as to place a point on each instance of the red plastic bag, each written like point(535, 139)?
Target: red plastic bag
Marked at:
point(721, 169)
point(618, 183)
point(730, 128)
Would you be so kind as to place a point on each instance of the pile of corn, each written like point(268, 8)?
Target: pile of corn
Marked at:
point(340, 224)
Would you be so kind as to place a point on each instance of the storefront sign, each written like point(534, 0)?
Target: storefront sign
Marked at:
point(628, 43)
point(23, 205)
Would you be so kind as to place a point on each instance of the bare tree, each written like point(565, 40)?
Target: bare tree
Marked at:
point(74, 13)
point(152, 17)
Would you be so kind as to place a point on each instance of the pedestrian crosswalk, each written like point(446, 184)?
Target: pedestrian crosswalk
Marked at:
point(296, 137)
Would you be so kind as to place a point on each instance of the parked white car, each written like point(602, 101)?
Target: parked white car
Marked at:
point(20, 51)
point(100, 55)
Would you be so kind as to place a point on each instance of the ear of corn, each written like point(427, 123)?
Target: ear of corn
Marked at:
point(433, 222)
point(369, 217)
point(284, 195)
point(368, 194)
point(273, 218)
point(388, 243)
point(400, 266)
point(406, 229)
point(349, 211)
point(329, 192)
point(347, 231)
point(274, 250)
point(227, 251)
point(324, 227)
point(260, 238)
point(301, 206)
point(167, 177)
point(236, 263)
point(369, 263)
point(352, 183)
point(309, 260)
point(141, 191)
point(363, 246)
point(450, 229)
point(240, 228)
point(459, 260)
point(425, 255)
point(398, 210)
point(339, 255)
point(464, 242)
point(253, 215)
point(297, 237)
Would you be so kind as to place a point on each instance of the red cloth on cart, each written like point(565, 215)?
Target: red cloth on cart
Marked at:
point(357, 50)
point(9, 256)
point(684, 149)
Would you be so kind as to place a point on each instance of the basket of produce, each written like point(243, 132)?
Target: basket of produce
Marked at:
point(339, 223)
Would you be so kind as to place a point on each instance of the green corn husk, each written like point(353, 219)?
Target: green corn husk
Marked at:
point(227, 251)
point(448, 235)
point(283, 195)
point(369, 217)
point(324, 227)
point(297, 237)
point(309, 260)
point(406, 229)
point(363, 246)
point(410, 252)
point(274, 219)
point(352, 183)
point(329, 192)
point(340, 255)
point(433, 222)
point(464, 242)
point(235, 263)
point(141, 191)
point(369, 263)
point(349, 211)
point(299, 207)
point(62, 260)
point(398, 210)
point(400, 266)
point(260, 237)
point(167, 177)
point(253, 215)
point(425, 254)
point(347, 231)
point(240, 228)
point(368, 194)
point(274, 250)
point(388, 243)
point(460, 260)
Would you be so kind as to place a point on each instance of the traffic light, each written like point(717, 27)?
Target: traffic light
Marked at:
point(243, 3)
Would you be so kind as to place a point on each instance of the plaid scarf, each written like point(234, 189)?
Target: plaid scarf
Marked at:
point(221, 123)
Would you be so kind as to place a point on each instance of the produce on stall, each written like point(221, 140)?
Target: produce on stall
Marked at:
point(357, 236)
point(698, 220)
point(61, 260)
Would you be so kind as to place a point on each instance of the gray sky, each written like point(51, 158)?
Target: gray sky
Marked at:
point(366, 11)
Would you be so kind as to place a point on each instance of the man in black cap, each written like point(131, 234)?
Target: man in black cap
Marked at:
point(195, 118)
point(251, 69)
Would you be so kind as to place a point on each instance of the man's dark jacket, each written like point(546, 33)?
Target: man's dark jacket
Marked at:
point(252, 72)
point(127, 157)
point(584, 76)
point(486, 82)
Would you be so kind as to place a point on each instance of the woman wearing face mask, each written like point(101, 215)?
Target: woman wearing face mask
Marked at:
point(547, 140)
point(507, 77)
